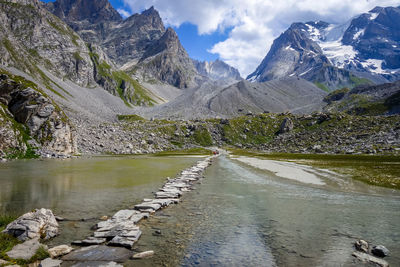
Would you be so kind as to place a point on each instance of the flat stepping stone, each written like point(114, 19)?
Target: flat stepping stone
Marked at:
point(146, 206)
point(161, 195)
point(97, 264)
point(99, 253)
point(124, 241)
point(93, 241)
point(58, 251)
point(25, 250)
point(50, 263)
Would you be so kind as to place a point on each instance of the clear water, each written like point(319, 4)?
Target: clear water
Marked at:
point(237, 216)
point(85, 189)
point(241, 216)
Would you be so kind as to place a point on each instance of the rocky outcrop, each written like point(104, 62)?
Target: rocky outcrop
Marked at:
point(166, 60)
point(381, 99)
point(139, 44)
point(217, 70)
point(38, 224)
point(32, 39)
point(35, 111)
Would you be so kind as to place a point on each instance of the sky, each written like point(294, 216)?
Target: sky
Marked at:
point(241, 32)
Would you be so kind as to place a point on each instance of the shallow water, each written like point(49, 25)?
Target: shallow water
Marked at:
point(238, 216)
point(242, 216)
point(84, 189)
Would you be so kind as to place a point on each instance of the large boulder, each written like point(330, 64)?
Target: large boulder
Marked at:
point(286, 126)
point(380, 251)
point(39, 223)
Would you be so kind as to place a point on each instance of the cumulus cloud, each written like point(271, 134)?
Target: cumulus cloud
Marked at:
point(253, 24)
point(124, 13)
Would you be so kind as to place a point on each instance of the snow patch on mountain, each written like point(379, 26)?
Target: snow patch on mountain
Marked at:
point(339, 54)
point(375, 66)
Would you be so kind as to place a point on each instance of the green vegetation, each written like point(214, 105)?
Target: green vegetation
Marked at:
point(256, 130)
point(336, 95)
point(322, 86)
point(381, 170)
point(127, 88)
point(359, 81)
point(191, 151)
point(77, 56)
point(202, 137)
point(58, 26)
point(130, 118)
point(7, 242)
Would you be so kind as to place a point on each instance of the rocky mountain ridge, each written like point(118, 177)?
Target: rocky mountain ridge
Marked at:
point(139, 45)
point(364, 50)
point(217, 70)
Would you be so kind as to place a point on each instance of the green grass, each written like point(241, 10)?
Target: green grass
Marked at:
point(322, 86)
point(359, 81)
point(7, 242)
point(202, 137)
point(130, 118)
point(191, 151)
point(383, 171)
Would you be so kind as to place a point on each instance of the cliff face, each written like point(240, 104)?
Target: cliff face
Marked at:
point(32, 39)
point(139, 45)
point(217, 70)
point(31, 121)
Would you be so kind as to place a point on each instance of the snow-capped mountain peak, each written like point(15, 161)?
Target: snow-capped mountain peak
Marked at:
point(367, 46)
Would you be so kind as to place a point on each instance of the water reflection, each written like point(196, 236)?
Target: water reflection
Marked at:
point(241, 216)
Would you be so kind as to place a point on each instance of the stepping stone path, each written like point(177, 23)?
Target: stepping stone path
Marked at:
point(122, 230)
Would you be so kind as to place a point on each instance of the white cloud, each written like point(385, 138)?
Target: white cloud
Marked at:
point(254, 23)
point(124, 13)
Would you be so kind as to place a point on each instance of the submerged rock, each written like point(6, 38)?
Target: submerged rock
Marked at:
point(39, 223)
point(380, 251)
point(99, 253)
point(142, 255)
point(364, 257)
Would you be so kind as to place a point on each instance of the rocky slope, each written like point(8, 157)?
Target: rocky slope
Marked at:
point(35, 42)
point(140, 44)
point(365, 50)
point(381, 99)
point(32, 38)
point(217, 70)
point(216, 99)
point(317, 133)
point(31, 122)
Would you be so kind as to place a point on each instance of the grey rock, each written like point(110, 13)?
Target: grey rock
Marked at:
point(286, 126)
point(40, 223)
point(93, 241)
point(50, 263)
point(25, 250)
point(58, 251)
point(364, 257)
point(99, 253)
point(97, 264)
point(142, 255)
point(380, 251)
point(361, 245)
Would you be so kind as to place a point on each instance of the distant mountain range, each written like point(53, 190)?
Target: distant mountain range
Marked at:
point(86, 43)
point(363, 50)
